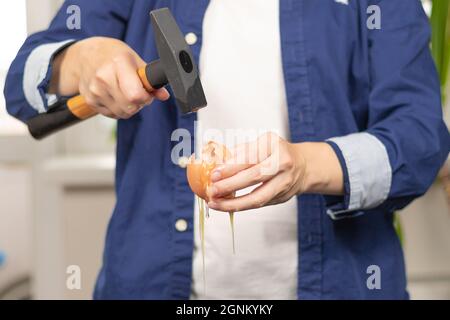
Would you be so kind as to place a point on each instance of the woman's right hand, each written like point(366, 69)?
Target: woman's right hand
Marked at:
point(104, 72)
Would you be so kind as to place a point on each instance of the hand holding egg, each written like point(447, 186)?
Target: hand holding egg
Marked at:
point(279, 168)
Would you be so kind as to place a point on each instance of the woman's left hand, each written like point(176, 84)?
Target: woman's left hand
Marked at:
point(279, 168)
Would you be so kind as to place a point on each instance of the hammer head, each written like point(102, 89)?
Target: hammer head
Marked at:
point(177, 62)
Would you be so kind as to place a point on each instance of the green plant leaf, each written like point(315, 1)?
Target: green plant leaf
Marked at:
point(440, 39)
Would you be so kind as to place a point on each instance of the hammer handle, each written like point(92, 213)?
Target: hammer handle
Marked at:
point(67, 113)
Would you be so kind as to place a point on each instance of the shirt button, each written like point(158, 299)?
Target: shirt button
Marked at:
point(183, 162)
point(181, 225)
point(191, 38)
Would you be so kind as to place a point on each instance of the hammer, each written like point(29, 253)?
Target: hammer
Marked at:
point(176, 67)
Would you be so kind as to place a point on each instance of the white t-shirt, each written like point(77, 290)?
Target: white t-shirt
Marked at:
point(241, 70)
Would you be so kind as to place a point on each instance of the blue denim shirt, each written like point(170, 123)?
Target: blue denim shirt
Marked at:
point(374, 93)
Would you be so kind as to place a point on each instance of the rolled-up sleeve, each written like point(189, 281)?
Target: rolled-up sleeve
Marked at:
point(406, 142)
point(368, 173)
point(37, 74)
point(29, 74)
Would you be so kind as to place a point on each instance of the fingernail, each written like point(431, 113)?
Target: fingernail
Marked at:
point(212, 205)
point(215, 176)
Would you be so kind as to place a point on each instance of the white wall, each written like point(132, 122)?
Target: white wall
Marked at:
point(15, 223)
point(40, 13)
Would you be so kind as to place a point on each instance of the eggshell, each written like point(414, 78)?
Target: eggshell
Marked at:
point(199, 169)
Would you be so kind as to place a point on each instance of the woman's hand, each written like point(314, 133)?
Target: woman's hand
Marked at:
point(104, 72)
point(281, 169)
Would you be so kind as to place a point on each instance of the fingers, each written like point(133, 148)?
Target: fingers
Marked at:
point(161, 94)
point(252, 163)
point(97, 99)
point(277, 172)
point(242, 179)
point(116, 90)
point(228, 170)
point(258, 198)
point(130, 84)
point(244, 156)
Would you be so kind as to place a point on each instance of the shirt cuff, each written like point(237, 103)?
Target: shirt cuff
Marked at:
point(37, 74)
point(367, 174)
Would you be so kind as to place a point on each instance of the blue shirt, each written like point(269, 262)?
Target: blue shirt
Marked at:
point(374, 95)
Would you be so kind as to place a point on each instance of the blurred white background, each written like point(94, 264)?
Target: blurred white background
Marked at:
point(56, 197)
